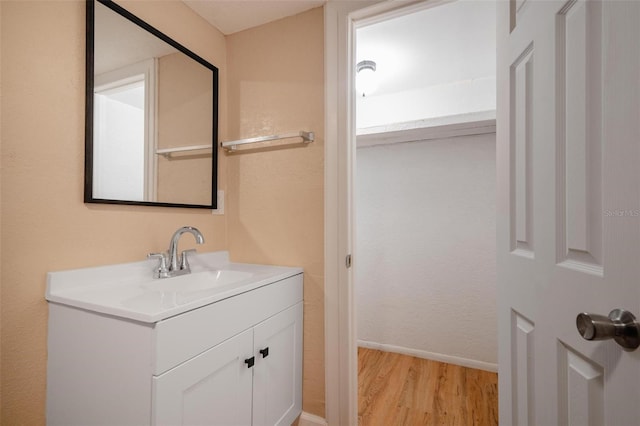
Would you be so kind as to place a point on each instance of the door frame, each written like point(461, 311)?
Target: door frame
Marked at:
point(341, 19)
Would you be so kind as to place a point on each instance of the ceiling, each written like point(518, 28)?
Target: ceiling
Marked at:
point(435, 46)
point(119, 44)
point(231, 16)
point(432, 47)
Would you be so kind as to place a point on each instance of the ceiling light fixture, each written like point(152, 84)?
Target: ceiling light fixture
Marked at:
point(366, 81)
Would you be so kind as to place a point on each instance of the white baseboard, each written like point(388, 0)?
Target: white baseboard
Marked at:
point(307, 419)
point(464, 362)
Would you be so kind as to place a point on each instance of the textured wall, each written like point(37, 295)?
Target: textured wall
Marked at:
point(184, 96)
point(44, 220)
point(425, 244)
point(275, 201)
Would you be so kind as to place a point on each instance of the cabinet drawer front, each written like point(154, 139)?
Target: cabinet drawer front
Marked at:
point(182, 337)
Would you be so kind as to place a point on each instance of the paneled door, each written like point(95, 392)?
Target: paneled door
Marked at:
point(568, 211)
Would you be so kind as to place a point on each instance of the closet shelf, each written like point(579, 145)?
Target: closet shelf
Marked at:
point(307, 137)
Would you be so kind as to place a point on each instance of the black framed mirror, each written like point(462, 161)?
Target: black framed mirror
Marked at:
point(151, 116)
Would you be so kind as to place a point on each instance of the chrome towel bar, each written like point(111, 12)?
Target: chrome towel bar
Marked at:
point(307, 137)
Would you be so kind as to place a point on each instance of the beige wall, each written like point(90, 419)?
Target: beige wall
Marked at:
point(275, 202)
point(184, 119)
point(44, 220)
point(274, 197)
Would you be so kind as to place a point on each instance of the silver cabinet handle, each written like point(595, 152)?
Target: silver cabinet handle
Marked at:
point(620, 326)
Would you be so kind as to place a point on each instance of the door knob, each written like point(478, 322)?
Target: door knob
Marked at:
point(620, 326)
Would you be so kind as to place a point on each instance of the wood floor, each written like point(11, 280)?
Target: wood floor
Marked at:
point(396, 389)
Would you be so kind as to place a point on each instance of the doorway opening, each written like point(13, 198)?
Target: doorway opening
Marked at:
point(124, 134)
point(424, 213)
point(119, 134)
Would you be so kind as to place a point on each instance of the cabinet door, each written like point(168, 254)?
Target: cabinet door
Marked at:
point(213, 388)
point(277, 381)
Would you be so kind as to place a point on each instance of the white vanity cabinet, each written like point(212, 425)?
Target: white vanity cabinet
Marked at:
point(236, 361)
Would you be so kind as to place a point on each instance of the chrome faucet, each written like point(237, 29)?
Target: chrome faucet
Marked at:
point(177, 265)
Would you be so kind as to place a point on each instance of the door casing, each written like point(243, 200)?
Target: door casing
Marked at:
point(341, 19)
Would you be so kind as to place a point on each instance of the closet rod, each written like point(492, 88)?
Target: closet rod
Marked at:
point(306, 138)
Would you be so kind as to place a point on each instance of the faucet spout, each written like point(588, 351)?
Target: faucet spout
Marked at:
point(174, 263)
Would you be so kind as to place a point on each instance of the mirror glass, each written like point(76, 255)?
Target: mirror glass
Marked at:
point(151, 116)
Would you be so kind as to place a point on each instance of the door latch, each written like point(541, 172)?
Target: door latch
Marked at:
point(620, 326)
point(347, 261)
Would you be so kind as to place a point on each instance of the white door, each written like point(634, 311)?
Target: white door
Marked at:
point(277, 380)
point(568, 208)
point(213, 388)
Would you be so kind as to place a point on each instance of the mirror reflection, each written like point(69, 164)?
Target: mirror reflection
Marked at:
point(153, 117)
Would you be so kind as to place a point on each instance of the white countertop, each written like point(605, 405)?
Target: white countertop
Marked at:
point(129, 290)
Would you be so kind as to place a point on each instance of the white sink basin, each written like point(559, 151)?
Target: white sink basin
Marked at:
point(129, 291)
point(197, 281)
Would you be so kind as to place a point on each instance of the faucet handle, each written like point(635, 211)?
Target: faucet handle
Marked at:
point(184, 262)
point(162, 270)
